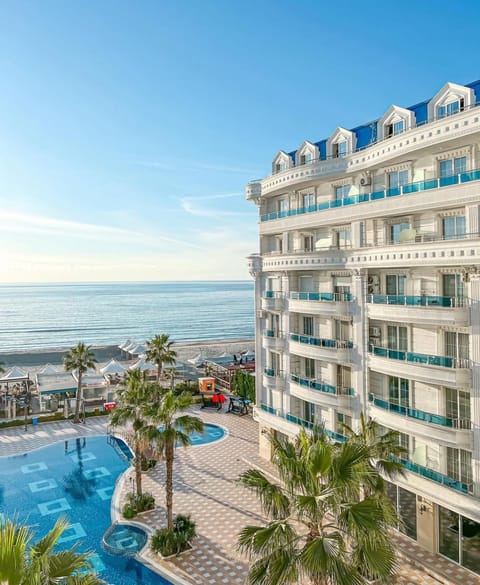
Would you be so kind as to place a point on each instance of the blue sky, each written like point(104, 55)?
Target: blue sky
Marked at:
point(128, 130)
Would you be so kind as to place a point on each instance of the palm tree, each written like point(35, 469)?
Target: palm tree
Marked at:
point(322, 525)
point(134, 401)
point(79, 359)
point(168, 431)
point(23, 562)
point(159, 352)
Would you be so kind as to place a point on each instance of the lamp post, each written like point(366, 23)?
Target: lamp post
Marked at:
point(28, 395)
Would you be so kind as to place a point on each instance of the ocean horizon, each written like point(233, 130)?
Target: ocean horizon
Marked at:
point(53, 316)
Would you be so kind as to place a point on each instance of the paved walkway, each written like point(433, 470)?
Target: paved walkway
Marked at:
point(205, 486)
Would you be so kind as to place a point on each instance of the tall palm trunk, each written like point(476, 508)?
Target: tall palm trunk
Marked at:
point(159, 371)
point(169, 455)
point(78, 399)
point(138, 466)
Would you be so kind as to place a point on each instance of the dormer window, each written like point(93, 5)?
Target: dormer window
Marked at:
point(281, 162)
point(451, 108)
point(395, 128)
point(342, 143)
point(340, 149)
point(450, 100)
point(279, 167)
point(306, 159)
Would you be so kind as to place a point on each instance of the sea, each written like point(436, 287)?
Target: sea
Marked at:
point(40, 317)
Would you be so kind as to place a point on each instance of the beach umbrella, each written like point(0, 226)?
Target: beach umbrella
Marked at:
point(137, 349)
point(48, 370)
point(143, 365)
point(14, 374)
point(199, 360)
point(125, 344)
point(130, 346)
point(113, 367)
point(249, 355)
point(227, 356)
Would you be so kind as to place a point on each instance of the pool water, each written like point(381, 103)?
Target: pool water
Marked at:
point(211, 433)
point(124, 539)
point(74, 478)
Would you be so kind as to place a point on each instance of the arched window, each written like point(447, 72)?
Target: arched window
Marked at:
point(395, 121)
point(341, 143)
point(450, 100)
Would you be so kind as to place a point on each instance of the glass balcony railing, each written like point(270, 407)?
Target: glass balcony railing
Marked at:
point(419, 358)
point(309, 425)
point(437, 477)
point(271, 373)
point(272, 334)
point(418, 301)
point(407, 189)
point(320, 296)
point(436, 419)
point(273, 294)
point(269, 409)
point(321, 342)
point(321, 387)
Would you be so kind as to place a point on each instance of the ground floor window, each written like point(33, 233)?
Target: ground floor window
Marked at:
point(405, 503)
point(459, 539)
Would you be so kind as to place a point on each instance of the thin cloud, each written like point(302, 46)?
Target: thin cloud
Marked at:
point(193, 166)
point(188, 204)
point(34, 224)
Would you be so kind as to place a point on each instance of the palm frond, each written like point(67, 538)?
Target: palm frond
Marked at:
point(274, 501)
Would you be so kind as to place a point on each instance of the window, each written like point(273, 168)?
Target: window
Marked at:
point(344, 376)
point(344, 238)
point(452, 285)
point(456, 345)
point(308, 200)
point(308, 243)
point(395, 284)
point(283, 206)
point(340, 149)
point(309, 412)
point(453, 166)
point(342, 330)
point(275, 362)
point(459, 465)
point(451, 108)
point(398, 391)
point(309, 368)
point(306, 283)
point(396, 229)
point(397, 337)
point(306, 159)
point(343, 419)
point(394, 128)
point(308, 325)
point(280, 167)
point(397, 179)
point(342, 192)
point(457, 406)
point(404, 441)
point(454, 227)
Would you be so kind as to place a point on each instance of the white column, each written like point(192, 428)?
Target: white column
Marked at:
point(474, 293)
point(472, 219)
point(360, 343)
point(255, 269)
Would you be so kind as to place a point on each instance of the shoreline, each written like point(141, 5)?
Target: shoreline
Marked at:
point(185, 350)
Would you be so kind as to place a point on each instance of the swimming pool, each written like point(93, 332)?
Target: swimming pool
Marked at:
point(211, 433)
point(75, 478)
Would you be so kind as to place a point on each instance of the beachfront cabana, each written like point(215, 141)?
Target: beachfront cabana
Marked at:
point(143, 365)
point(125, 344)
point(14, 375)
point(49, 370)
point(136, 349)
point(197, 361)
point(113, 367)
point(57, 383)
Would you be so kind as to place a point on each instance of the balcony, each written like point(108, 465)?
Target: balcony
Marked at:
point(254, 190)
point(273, 379)
point(405, 308)
point(442, 429)
point(320, 348)
point(309, 425)
point(410, 188)
point(320, 393)
point(273, 300)
point(437, 477)
point(320, 303)
point(273, 340)
point(431, 369)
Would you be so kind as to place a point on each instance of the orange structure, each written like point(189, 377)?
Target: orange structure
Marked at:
point(206, 384)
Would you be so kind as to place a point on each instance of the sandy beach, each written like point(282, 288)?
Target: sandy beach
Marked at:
point(185, 351)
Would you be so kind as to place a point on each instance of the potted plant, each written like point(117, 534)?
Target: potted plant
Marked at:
point(170, 542)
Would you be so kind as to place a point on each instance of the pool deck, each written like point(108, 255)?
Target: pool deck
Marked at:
point(205, 486)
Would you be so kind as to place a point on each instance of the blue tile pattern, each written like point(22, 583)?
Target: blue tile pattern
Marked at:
point(82, 457)
point(40, 486)
point(73, 532)
point(54, 506)
point(105, 493)
point(96, 473)
point(34, 467)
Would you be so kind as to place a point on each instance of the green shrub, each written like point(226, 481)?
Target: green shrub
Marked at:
point(147, 464)
point(169, 542)
point(140, 503)
point(185, 386)
point(128, 512)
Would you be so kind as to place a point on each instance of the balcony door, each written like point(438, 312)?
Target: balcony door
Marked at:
point(456, 345)
point(395, 284)
point(398, 392)
point(397, 337)
point(452, 285)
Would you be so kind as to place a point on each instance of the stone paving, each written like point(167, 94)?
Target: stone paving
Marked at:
point(205, 486)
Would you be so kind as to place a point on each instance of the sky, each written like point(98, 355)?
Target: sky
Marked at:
point(129, 129)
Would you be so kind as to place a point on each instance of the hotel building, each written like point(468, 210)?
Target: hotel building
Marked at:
point(367, 289)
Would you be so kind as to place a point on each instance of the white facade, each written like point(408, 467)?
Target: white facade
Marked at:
point(367, 287)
